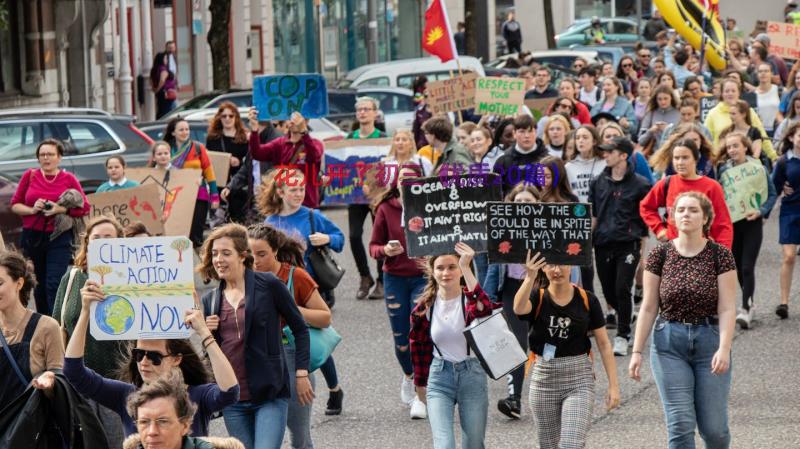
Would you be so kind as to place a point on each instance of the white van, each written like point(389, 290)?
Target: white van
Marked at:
point(402, 73)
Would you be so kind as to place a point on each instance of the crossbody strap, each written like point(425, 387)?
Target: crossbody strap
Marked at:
point(11, 359)
point(66, 297)
point(290, 282)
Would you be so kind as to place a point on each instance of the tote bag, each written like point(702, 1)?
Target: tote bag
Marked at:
point(495, 346)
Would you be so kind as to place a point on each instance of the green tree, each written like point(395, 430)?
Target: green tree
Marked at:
point(219, 43)
point(180, 246)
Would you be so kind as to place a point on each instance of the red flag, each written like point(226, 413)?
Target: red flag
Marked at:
point(437, 38)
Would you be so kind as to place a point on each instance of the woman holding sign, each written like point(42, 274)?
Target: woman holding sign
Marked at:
point(748, 230)
point(559, 316)
point(245, 315)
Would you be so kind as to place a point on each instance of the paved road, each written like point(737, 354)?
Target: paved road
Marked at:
point(764, 405)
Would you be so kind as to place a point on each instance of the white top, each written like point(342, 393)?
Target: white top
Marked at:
point(120, 183)
point(768, 106)
point(590, 98)
point(447, 330)
point(580, 173)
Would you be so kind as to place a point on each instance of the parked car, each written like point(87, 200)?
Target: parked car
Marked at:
point(614, 52)
point(10, 223)
point(563, 58)
point(90, 136)
point(616, 30)
point(403, 72)
point(211, 100)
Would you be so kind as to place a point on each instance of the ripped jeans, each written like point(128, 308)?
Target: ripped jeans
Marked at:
point(400, 294)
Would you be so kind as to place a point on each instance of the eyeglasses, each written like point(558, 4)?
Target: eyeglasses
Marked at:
point(153, 356)
point(161, 423)
point(47, 155)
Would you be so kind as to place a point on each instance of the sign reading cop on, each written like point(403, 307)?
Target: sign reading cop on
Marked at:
point(453, 94)
point(745, 188)
point(561, 232)
point(499, 96)
point(148, 283)
point(438, 212)
point(278, 96)
point(346, 162)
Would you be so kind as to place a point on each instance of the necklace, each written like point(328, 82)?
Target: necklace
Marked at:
point(54, 177)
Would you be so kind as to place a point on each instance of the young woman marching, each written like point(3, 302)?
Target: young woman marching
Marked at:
point(560, 315)
point(274, 252)
point(749, 231)
point(786, 177)
point(690, 294)
point(445, 372)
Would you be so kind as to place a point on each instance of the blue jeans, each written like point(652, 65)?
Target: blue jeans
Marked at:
point(50, 262)
point(457, 384)
point(400, 292)
point(299, 417)
point(692, 396)
point(258, 426)
point(328, 370)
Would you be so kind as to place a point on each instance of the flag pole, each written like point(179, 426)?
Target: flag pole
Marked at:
point(703, 31)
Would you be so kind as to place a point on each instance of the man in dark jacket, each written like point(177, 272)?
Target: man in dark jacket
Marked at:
point(618, 229)
point(518, 163)
point(512, 33)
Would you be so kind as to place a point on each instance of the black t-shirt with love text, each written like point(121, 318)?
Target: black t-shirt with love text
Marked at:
point(564, 327)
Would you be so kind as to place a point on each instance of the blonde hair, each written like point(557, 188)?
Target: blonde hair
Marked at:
point(553, 119)
point(410, 135)
point(268, 201)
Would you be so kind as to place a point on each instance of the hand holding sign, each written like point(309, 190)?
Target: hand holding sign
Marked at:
point(91, 292)
point(534, 264)
point(466, 254)
point(194, 319)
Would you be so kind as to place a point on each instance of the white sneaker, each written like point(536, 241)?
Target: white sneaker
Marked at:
point(418, 409)
point(744, 318)
point(620, 346)
point(407, 391)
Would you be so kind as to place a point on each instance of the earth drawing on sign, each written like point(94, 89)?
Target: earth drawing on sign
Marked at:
point(115, 315)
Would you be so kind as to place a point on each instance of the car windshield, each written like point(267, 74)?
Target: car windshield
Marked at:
point(197, 102)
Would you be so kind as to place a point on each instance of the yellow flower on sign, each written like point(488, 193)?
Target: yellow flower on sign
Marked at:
point(434, 35)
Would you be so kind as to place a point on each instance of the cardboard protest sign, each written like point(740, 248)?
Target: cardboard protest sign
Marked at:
point(784, 39)
point(345, 163)
point(745, 188)
point(539, 106)
point(499, 96)
point(141, 203)
point(177, 190)
point(222, 166)
point(438, 212)
point(706, 105)
point(277, 96)
point(148, 284)
point(561, 232)
point(451, 95)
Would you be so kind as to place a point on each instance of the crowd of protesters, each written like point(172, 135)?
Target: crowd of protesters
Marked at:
point(629, 140)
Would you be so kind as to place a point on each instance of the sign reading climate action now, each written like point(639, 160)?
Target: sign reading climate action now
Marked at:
point(561, 232)
point(438, 212)
point(499, 96)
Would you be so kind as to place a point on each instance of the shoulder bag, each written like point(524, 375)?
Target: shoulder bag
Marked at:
point(327, 271)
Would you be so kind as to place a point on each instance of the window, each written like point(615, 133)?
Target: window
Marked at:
point(623, 28)
point(382, 81)
point(391, 103)
point(341, 102)
point(18, 141)
point(83, 138)
point(240, 100)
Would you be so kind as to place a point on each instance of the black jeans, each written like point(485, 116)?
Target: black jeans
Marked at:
point(198, 222)
point(51, 260)
point(587, 278)
point(616, 268)
point(520, 330)
point(747, 237)
point(356, 214)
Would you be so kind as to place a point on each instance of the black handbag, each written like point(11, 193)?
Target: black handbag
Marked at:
point(327, 272)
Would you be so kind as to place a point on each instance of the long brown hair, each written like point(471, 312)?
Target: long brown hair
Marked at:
point(17, 266)
point(193, 367)
point(722, 153)
point(286, 249)
point(268, 202)
point(560, 191)
point(215, 127)
point(238, 235)
point(428, 295)
point(81, 255)
point(662, 158)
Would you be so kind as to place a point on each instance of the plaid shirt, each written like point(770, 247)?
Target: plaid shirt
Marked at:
point(420, 335)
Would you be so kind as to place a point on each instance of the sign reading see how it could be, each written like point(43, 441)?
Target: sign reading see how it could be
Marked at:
point(278, 96)
point(561, 232)
point(439, 212)
point(148, 283)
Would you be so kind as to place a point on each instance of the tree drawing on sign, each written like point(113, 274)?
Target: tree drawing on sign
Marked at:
point(102, 270)
point(180, 246)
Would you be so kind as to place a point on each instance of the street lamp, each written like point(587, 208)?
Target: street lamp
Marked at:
point(124, 78)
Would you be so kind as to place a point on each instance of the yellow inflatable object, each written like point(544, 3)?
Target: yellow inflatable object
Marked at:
point(686, 17)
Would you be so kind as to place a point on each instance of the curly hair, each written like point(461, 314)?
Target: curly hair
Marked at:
point(169, 386)
point(286, 249)
point(215, 127)
point(18, 267)
point(238, 235)
point(81, 255)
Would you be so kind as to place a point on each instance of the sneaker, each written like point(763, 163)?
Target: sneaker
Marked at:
point(335, 402)
point(620, 346)
point(743, 318)
point(782, 311)
point(611, 321)
point(363, 289)
point(509, 407)
point(418, 409)
point(407, 391)
point(377, 292)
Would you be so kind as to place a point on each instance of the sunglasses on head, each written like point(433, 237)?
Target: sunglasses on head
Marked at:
point(153, 356)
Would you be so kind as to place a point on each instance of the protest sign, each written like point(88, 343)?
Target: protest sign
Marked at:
point(148, 284)
point(222, 166)
point(706, 105)
point(745, 188)
point(539, 106)
point(561, 232)
point(451, 95)
point(784, 40)
point(499, 96)
point(346, 162)
point(141, 203)
point(177, 190)
point(277, 96)
point(438, 212)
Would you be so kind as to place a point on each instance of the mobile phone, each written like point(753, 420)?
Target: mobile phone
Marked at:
point(394, 242)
